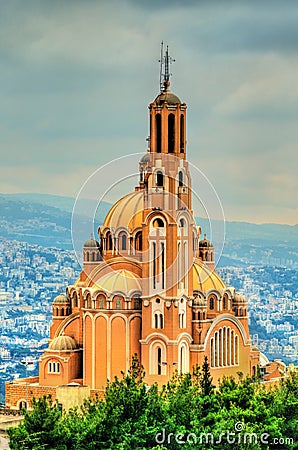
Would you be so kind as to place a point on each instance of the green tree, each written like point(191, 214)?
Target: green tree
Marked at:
point(39, 429)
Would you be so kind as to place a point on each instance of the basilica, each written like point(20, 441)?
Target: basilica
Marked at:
point(148, 285)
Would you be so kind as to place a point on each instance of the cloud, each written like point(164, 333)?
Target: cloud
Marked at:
point(76, 78)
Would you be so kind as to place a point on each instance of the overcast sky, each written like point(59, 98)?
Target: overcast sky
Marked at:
point(76, 78)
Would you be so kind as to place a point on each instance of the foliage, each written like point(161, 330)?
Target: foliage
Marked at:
point(188, 412)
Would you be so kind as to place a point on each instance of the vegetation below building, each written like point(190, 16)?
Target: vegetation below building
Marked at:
point(188, 412)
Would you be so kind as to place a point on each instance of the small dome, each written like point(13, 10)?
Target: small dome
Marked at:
point(61, 299)
point(145, 159)
point(63, 343)
point(199, 301)
point(239, 298)
point(205, 243)
point(91, 243)
point(169, 97)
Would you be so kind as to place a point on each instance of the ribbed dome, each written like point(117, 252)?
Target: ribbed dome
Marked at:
point(239, 298)
point(119, 280)
point(168, 97)
point(127, 212)
point(61, 300)
point(205, 279)
point(145, 159)
point(91, 243)
point(200, 302)
point(63, 343)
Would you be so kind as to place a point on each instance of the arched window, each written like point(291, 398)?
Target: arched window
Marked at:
point(158, 132)
point(211, 303)
point(101, 299)
point(159, 178)
point(171, 133)
point(180, 176)
point(137, 304)
point(236, 350)
point(157, 358)
point(87, 256)
point(224, 303)
point(182, 133)
point(159, 361)
point(158, 223)
point(109, 241)
point(123, 241)
point(138, 241)
point(75, 300)
point(158, 320)
point(22, 405)
point(182, 320)
point(212, 351)
point(88, 298)
point(182, 223)
point(53, 367)
point(118, 303)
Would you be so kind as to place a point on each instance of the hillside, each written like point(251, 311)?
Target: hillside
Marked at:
point(46, 220)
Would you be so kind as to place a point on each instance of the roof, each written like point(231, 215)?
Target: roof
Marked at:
point(205, 279)
point(63, 343)
point(61, 299)
point(91, 243)
point(126, 212)
point(167, 96)
point(119, 281)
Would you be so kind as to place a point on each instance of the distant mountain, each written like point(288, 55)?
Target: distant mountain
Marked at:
point(46, 220)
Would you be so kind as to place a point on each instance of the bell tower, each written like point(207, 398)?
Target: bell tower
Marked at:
point(167, 116)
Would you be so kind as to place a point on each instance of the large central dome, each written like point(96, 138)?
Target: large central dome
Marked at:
point(127, 212)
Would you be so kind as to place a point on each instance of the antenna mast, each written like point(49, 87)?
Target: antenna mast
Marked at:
point(166, 61)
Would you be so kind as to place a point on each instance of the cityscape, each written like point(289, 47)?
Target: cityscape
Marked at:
point(32, 275)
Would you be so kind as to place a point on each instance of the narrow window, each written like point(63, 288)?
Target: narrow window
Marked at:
point(220, 347)
point(216, 349)
point(156, 320)
point(163, 264)
point(159, 178)
point(123, 241)
point(161, 321)
point(212, 352)
point(159, 361)
point(109, 242)
point(211, 303)
point(118, 303)
point(224, 303)
point(138, 241)
point(180, 178)
point(182, 133)
point(236, 350)
point(137, 303)
point(171, 133)
point(154, 265)
point(158, 132)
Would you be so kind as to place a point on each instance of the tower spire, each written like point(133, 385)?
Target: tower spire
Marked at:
point(165, 60)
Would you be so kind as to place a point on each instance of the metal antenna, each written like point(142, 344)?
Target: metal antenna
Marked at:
point(161, 61)
point(166, 60)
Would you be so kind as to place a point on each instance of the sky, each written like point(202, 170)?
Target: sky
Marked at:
point(76, 79)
